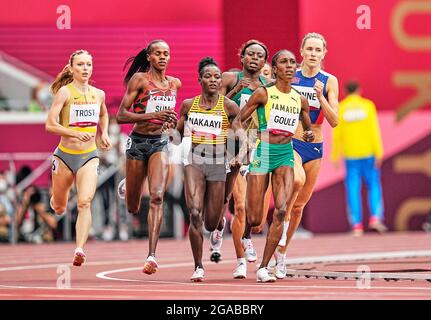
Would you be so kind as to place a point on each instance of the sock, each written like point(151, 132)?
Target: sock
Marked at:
point(241, 261)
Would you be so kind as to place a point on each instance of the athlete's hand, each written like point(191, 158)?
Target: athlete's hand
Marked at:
point(308, 136)
point(105, 142)
point(167, 115)
point(244, 83)
point(318, 88)
point(84, 136)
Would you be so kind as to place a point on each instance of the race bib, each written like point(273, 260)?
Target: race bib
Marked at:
point(310, 95)
point(282, 121)
point(205, 124)
point(84, 115)
point(160, 103)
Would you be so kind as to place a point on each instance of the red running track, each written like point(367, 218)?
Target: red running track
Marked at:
point(113, 271)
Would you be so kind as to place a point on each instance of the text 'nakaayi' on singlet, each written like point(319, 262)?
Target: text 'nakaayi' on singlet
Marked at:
point(280, 115)
point(305, 86)
point(156, 99)
point(208, 126)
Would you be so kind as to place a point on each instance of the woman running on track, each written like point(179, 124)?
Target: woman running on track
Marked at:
point(279, 107)
point(76, 111)
point(207, 118)
point(239, 86)
point(321, 90)
point(152, 95)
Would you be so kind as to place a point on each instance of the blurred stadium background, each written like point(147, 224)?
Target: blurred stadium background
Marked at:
point(391, 60)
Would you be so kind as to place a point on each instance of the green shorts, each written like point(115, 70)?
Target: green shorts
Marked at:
point(269, 157)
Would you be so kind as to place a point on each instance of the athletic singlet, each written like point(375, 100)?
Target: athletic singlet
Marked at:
point(305, 86)
point(81, 112)
point(155, 99)
point(243, 95)
point(280, 115)
point(208, 126)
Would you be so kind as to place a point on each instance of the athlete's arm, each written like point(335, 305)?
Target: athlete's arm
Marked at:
point(137, 82)
point(54, 127)
point(105, 142)
point(227, 82)
point(231, 108)
point(308, 134)
point(330, 106)
point(185, 107)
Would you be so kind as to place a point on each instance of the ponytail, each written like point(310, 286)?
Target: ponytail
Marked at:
point(63, 78)
point(139, 63)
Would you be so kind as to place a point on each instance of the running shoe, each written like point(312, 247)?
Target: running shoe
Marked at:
point(240, 271)
point(263, 275)
point(249, 251)
point(357, 230)
point(198, 275)
point(150, 265)
point(78, 257)
point(216, 240)
point(121, 189)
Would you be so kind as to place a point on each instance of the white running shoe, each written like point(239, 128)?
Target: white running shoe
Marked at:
point(216, 240)
point(240, 271)
point(280, 265)
point(121, 189)
point(263, 275)
point(249, 251)
point(198, 275)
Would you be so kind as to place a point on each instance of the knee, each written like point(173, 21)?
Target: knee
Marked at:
point(253, 221)
point(59, 210)
point(279, 216)
point(240, 212)
point(156, 197)
point(84, 203)
point(298, 182)
point(297, 211)
point(196, 218)
point(210, 225)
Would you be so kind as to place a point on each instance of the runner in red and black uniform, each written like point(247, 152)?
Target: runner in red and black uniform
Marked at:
point(152, 94)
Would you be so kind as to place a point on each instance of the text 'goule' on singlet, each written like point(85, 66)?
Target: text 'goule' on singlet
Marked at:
point(156, 99)
point(280, 115)
point(208, 126)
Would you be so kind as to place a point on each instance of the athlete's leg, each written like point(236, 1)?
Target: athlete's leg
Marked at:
point(62, 181)
point(238, 220)
point(266, 203)
point(311, 170)
point(256, 185)
point(136, 172)
point(282, 186)
point(298, 184)
point(158, 172)
point(214, 196)
point(194, 190)
point(86, 181)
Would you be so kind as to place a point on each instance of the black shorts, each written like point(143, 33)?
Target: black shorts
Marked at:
point(141, 147)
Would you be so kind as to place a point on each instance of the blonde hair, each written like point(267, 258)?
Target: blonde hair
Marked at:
point(313, 35)
point(65, 76)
